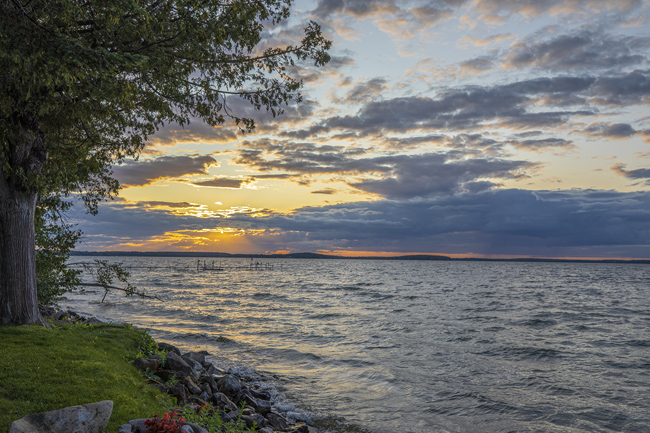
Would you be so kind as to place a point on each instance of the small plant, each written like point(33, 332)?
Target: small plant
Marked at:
point(166, 424)
point(209, 418)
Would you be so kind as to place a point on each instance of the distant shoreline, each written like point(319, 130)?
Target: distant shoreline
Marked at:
point(417, 257)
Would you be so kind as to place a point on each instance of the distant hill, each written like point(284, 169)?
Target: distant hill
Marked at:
point(261, 256)
point(332, 257)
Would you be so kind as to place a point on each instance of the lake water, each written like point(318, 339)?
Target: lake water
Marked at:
point(416, 346)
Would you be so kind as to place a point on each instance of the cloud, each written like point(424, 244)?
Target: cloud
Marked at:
point(221, 182)
point(536, 8)
point(543, 144)
point(364, 91)
point(434, 174)
point(639, 173)
point(326, 191)
point(586, 49)
point(610, 130)
point(588, 223)
point(144, 172)
point(478, 65)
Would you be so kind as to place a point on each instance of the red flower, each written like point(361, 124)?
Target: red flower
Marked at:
point(166, 424)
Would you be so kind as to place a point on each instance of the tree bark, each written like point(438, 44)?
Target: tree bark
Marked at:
point(18, 296)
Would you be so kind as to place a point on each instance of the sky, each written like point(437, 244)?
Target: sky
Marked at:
point(469, 128)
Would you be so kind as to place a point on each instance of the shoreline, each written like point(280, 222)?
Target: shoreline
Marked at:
point(196, 382)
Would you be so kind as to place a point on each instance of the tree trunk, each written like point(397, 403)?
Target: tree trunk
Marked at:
point(18, 297)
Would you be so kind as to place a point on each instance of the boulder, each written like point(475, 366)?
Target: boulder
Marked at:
point(192, 387)
point(223, 402)
point(232, 415)
point(134, 426)
point(277, 421)
point(174, 362)
point(196, 366)
point(254, 420)
point(89, 418)
point(178, 391)
point(197, 356)
point(229, 385)
point(169, 348)
point(145, 364)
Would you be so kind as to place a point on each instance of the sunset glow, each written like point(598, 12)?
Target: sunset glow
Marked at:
point(463, 128)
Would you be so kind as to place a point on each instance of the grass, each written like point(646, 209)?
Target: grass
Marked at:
point(45, 369)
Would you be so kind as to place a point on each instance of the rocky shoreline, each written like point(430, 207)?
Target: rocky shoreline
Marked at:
point(197, 383)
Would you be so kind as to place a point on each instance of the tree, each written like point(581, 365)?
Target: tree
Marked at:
point(84, 83)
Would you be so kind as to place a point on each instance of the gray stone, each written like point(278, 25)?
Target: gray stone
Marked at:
point(197, 356)
point(196, 366)
point(211, 369)
point(89, 418)
point(277, 421)
point(229, 385)
point(265, 430)
point(232, 415)
point(254, 420)
point(175, 363)
point(192, 387)
point(299, 428)
point(195, 427)
point(145, 364)
point(134, 426)
point(262, 406)
point(223, 402)
point(169, 348)
point(179, 392)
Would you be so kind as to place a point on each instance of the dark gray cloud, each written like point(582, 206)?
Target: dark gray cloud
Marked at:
point(610, 130)
point(365, 91)
point(543, 144)
point(435, 174)
point(478, 64)
point(144, 172)
point(221, 182)
point(545, 102)
point(395, 176)
point(639, 173)
point(539, 7)
point(326, 191)
point(586, 49)
point(586, 223)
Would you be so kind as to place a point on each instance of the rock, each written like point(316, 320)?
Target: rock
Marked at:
point(211, 369)
point(196, 366)
point(145, 364)
point(229, 385)
point(206, 388)
point(169, 348)
point(174, 362)
point(197, 356)
point(134, 426)
point(195, 427)
point(277, 421)
point(265, 430)
point(179, 392)
point(205, 396)
point(89, 418)
point(168, 375)
point(262, 406)
point(187, 429)
point(255, 419)
point(223, 402)
point(232, 415)
point(262, 395)
point(299, 428)
point(191, 386)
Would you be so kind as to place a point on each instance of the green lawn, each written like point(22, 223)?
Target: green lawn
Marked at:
point(46, 369)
